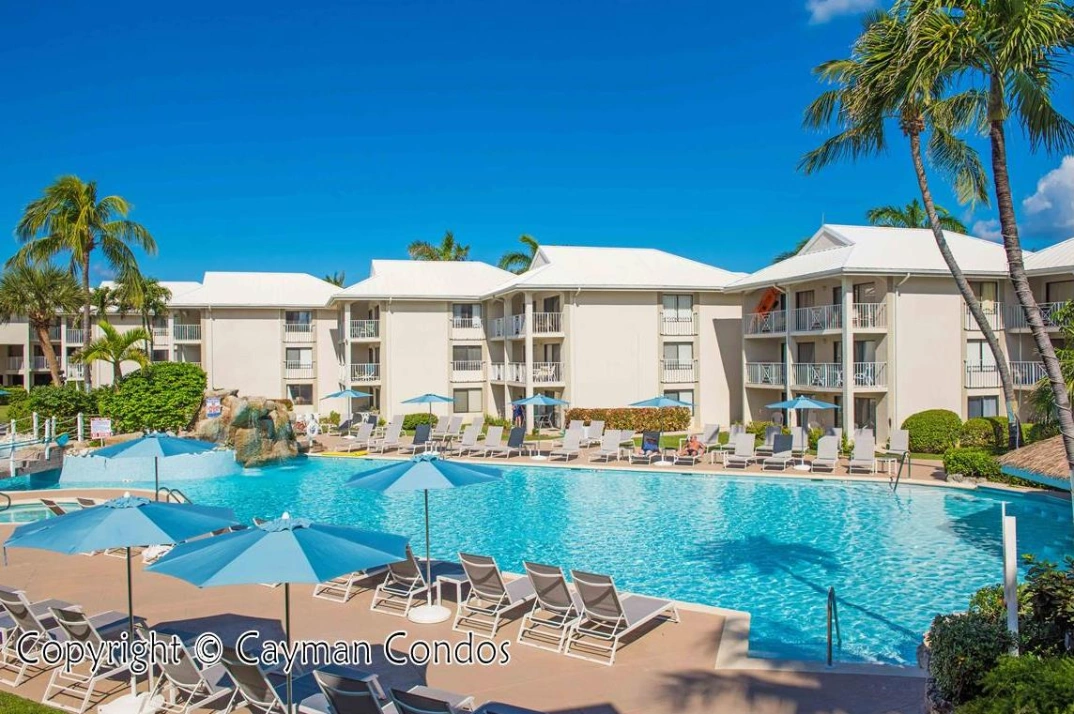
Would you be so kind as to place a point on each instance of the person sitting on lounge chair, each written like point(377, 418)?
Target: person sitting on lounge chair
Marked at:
point(650, 443)
point(692, 447)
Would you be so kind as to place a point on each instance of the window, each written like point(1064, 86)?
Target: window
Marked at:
point(466, 353)
point(807, 352)
point(550, 304)
point(678, 307)
point(865, 413)
point(978, 354)
point(804, 298)
point(865, 292)
point(466, 310)
point(299, 357)
point(864, 351)
point(982, 407)
point(160, 355)
point(552, 351)
point(679, 352)
point(1059, 291)
point(682, 395)
point(837, 351)
point(298, 317)
point(300, 393)
point(467, 400)
point(837, 295)
point(987, 291)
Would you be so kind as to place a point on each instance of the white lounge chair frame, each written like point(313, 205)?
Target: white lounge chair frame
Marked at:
point(744, 454)
point(864, 456)
point(571, 447)
point(827, 454)
point(74, 683)
point(556, 608)
point(782, 454)
point(490, 597)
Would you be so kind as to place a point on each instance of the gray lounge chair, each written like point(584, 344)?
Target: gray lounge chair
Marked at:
point(799, 443)
point(493, 441)
point(607, 618)
point(422, 441)
point(555, 609)
point(343, 588)
point(53, 507)
point(80, 682)
point(350, 691)
point(390, 440)
point(766, 447)
point(650, 448)
point(186, 686)
point(515, 441)
point(593, 433)
point(709, 437)
point(468, 442)
point(490, 598)
point(864, 456)
point(571, 447)
point(782, 455)
point(429, 702)
point(253, 689)
point(405, 581)
point(827, 454)
point(744, 454)
point(609, 447)
point(361, 438)
point(899, 442)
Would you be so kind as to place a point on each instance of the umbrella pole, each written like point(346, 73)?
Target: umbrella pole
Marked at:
point(130, 616)
point(428, 557)
point(287, 634)
point(156, 478)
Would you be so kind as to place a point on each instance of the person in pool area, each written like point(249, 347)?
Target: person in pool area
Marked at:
point(648, 443)
point(519, 415)
point(692, 447)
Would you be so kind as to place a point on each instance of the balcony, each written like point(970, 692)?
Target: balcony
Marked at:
point(1024, 375)
point(1027, 374)
point(497, 328)
point(870, 316)
point(467, 371)
point(367, 372)
point(497, 372)
point(298, 332)
point(40, 363)
point(679, 372)
point(14, 364)
point(981, 375)
point(993, 314)
point(672, 325)
point(186, 332)
point(546, 372)
point(766, 374)
point(467, 328)
point(365, 329)
point(76, 336)
point(765, 323)
point(820, 318)
point(1016, 319)
point(819, 375)
point(544, 323)
point(870, 374)
point(158, 331)
point(297, 370)
point(53, 333)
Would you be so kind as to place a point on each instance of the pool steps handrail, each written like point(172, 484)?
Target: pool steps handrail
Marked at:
point(7, 504)
point(904, 460)
point(172, 494)
point(833, 619)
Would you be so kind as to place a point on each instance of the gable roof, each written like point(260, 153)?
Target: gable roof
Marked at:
point(248, 289)
point(860, 250)
point(427, 280)
point(1058, 258)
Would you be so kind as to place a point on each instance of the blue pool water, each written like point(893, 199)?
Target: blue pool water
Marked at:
point(768, 546)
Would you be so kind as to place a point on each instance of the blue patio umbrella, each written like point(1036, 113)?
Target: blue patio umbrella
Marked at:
point(539, 400)
point(424, 473)
point(154, 446)
point(802, 403)
point(287, 550)
point(349, 394)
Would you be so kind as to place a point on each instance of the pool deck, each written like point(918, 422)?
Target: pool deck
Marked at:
point(670, 669)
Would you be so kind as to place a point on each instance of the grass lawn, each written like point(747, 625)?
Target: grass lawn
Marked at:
point(10, 704)
point(3, 413)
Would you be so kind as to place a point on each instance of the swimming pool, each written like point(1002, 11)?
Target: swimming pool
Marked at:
point(769, 546)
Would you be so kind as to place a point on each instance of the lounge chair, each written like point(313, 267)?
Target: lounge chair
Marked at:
point(571, 447)
point(253, 689)
point(555, 609)
point(490, 598)
point(80, 682)
point(351, 691)
point(430, 702)
point(84, 502)
point(468, 442)
point(799, 443)
point(440, 430)
point(343, 588)
point(782, 454)
point(899, 442)
point(606, 617)
point(514, 445)
point(650, 448)
point(186, 685)
point(593, 433)
point(709, 437)
point(422, 441)
point(53, 507)
point(827, 454)
point(454, 430)
point(576, 424)
point(609, 447)
point(493, 441)
point(766, 447)
point(744, 453)
point(406, 581)
point(864, 432)
point(390, 440)
point(361, 438)
point(9, 627)
point(864, 456)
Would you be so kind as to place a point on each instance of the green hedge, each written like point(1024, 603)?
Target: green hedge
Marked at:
point(16, 401)
point(1026, 684)
point(638, 419)
point(412, 421)
point(963, 648)
point(933, 431)
point(977, 432)
point(64, 402)
point(163, 396)
point(972, 463)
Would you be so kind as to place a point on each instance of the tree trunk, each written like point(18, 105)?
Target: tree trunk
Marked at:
point(974, 305)
point(50, 354)
point(86, 371)
point(117, 371)
point(1016, 268)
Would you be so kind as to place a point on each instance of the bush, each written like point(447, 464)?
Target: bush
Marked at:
point(972, 463)
point(1026, 684)
point(333, 418)
point(412, 421)
point(63, 402)
point(16, 400)
point(1000, 425)
point(491, 420)
point(162, 396)
point(1049, 591)
point(286, 402)
point(933, 431)
point(963, 649)
point(1039, 432)
point(638, 419)
point(977, 432)
point(814, 437)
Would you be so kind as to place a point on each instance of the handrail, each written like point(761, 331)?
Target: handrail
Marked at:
point(904, 460)
point(8, 504)
point(833, 617)
point(173, 494)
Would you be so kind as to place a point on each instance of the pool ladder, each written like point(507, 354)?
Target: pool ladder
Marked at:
point(904, 460)
point(172, 494)
point(7, 501)
point(833, 624)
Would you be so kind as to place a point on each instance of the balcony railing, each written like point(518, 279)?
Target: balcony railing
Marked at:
point(678, 371)
point(466, 323)
point(981, 375)
point(818, 318)
point(160, 331)
point(544, 323)
point(76, 336)
point(993, 312)
point(774, 373)
point(497, 372)
point(1016, 318)
point(986, 375)
point(870, 315)
point(365, 329)
point(1027, 374)
point(297, 370)
point(870, 374)
point(186, 332)
point(677, 325)
point(516, 325)
point(497, 328)
point(298, 332)
point(515, 372)
point(767, 323)
point(367, 372)
point(15, 364)
point(40, 362)
point(546, 372)
point(53, 333)
point(467, 371)
point(820, 375)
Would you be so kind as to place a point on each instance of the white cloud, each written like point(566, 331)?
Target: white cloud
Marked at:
point(822, 11)
point(1049, 212)
point(987, 229)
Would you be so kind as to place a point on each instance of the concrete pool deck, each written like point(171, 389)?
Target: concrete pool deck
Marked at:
point(670, 669)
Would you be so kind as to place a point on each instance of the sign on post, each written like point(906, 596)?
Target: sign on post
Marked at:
point(213, 407)
point(100, 428)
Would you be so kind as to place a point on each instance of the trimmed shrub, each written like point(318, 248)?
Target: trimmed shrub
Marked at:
point(16, 401)
point(1026, 684)
point(63, 402)
point(977, 432)
point(412, 421)
point(638, 419)
point(162, 396)
point(963, 649)
point(933, 431)
point(972, 463)
point(1000, 424)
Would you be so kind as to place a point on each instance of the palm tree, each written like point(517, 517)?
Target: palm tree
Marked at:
point(69, 218)
point(115, 348)
point(147, 297)
point(912, 215)
point(40, 293)
point(338, 278)
point(447, 250)
point(885, 80)
point(780, 257)
point(104, 299)
point(518, 261)
point(1042, 398)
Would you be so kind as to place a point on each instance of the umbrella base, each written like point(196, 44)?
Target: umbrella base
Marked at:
point(428, 614)
point(133, 704)
point(663, 462)
point(801, 467)
point(538, 457)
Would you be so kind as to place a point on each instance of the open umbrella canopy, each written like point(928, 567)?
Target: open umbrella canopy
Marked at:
point(539, 400)
point(423, 474)
point(802, 402)
point(661, 402)
point(287, 550)
point(153, 446)
point(428, 399)
point(348, 393)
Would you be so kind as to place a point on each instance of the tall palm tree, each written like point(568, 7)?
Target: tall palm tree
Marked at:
point(338, 278)
point(147, 297)
point(70, 219)
point(40, 293)
point(518, 261)
point(885, 81)
point(912, 215)
point(448, 249)
point(115, 348)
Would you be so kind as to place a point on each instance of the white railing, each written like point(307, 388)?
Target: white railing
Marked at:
point(818, 318)
point(677, 326)
point(298, 332)
point(496, 327)
point(1027, 374)
point(186, 332)
point(75, 335)
point(15, 363)
point(823, 375)
point(678, 371)
point(515, 373)
point(467, 371)
point(766, 323)
point(546, 372)
point(992, 311)
point(870, 374)
point(497, 372)
point(774, 373)
point(981, 375)
point(365, 329)
point(367, 372)
point(160, 331)
point(544, 323)
point(870, 315)
point(53, 333)
point(297, 370)
point(1016, 318)
point(516, 324)
point(466, 323)
point(40, 362)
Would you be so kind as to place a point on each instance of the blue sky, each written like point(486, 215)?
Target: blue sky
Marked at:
point(313, 137)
